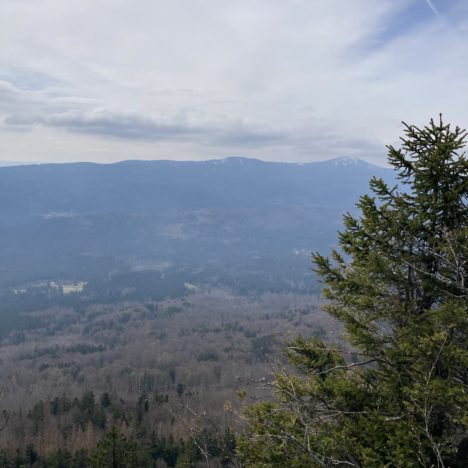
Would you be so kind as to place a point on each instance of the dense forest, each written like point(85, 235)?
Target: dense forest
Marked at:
point(160, 372)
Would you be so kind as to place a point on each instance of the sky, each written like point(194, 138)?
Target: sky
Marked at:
point(278, 80)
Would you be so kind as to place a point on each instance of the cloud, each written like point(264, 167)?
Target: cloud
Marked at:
point(117, 124)
point(132, 126)
point(296, 80)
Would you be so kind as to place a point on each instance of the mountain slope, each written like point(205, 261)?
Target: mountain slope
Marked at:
point(239, 222)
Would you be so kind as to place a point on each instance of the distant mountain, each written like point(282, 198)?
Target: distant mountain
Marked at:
point(13, 163)
point(239, 222)
point(351, 161)
point(139, 186)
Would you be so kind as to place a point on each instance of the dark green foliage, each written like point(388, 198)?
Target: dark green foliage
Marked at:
point(142, 407)
point(160, 449)
point(85, 410)
point(140, 448)
point(37, 415)
point(399, 288)
point(167, 450)
point(30, 455)
point(180, 389)
point(60, 405)
point(147, 383)
point(62, 459)
point(114, 450)
point(105, 400)
point(87, 402)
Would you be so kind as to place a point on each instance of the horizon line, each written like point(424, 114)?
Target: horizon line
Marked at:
point(349, 159)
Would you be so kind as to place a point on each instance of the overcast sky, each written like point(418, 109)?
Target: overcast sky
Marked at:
point(279, 80)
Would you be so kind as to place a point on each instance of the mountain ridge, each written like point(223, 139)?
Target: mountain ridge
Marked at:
point(340, 160)
point(134, 186)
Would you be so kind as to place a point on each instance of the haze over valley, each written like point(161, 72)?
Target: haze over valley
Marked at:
point(239, 223)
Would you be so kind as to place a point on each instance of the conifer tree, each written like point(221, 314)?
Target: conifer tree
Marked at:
point(399, 287)
point(114, 450)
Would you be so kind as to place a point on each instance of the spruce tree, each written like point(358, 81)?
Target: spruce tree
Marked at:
point(399, 287)
point(114, 450)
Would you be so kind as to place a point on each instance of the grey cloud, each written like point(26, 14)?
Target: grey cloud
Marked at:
point(119, 125)
point(75, 116)
point(18, 120)
point(316, 138)
point(133, 126)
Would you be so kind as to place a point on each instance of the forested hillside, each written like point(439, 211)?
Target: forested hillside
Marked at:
point(165, 373)
point(236, 222)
